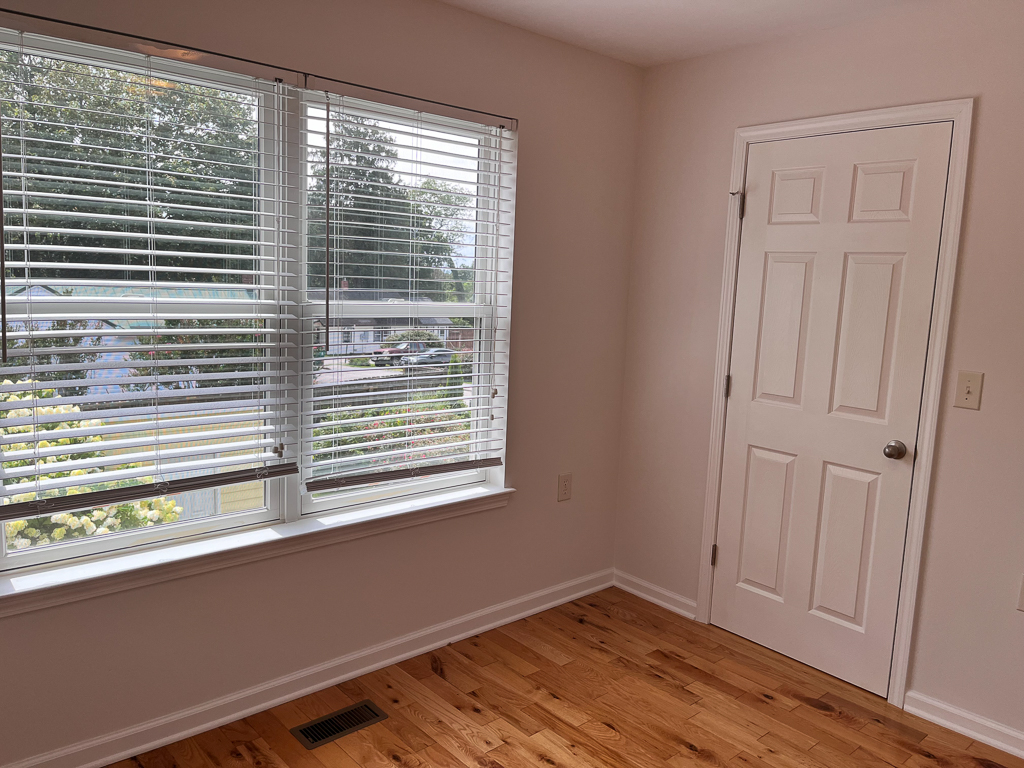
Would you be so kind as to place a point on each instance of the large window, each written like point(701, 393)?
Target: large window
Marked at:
point(212, 282)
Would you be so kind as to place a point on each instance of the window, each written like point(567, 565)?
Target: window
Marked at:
point(214, 281)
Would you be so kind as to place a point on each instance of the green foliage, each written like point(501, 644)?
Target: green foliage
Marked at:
point(97, 521)
point(397, 242)
point(414, 335)
point(422, 428)
point(134, 148)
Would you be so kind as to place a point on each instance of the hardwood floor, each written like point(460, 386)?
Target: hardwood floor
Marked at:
point(606, 681)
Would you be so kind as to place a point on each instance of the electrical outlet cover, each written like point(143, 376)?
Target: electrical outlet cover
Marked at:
point(565, 486)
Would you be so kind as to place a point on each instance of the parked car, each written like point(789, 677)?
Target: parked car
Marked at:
point(433, 356)
point(393, 354)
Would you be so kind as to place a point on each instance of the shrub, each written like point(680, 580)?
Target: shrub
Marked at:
point(414, 335)
point(97, 521)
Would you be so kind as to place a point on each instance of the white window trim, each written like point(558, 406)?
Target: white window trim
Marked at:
point(95, 567)
point(33, 589)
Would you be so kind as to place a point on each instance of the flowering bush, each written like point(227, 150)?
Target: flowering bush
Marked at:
point(67, 526)
point(49, 529)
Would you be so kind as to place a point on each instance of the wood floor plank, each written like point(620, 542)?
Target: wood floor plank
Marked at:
point(403, 729)
point(513, 654)
point(478, 735)
point(216, 748)
point(187, 754)
point(469, 706)
point(273, 732)
point(452, 666)
point(600, 740)
point(157, 758)
point(888, 752)
point(991, 754)
point(509, 705)
point(452, 737)
point(522, 634)
point(260, 755)
point(475, 649)
point(604, 681)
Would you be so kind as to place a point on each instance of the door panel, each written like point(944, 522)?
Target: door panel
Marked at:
point(765, 518)
point(833, 303)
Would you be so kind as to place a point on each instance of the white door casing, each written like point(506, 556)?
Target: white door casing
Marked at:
point(833, 303)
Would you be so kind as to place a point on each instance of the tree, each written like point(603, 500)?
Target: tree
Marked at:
point(387, 238)
point(153, 160)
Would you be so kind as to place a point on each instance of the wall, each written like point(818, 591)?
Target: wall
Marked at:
point(969, 651)
point(91, 668)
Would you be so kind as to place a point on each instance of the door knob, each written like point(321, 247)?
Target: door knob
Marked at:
point(894, 449)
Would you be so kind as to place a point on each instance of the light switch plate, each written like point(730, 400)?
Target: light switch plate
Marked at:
point(968, 390)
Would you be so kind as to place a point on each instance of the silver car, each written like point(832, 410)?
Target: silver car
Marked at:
point(433, 356)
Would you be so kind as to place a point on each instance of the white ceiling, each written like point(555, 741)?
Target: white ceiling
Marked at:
point(649, 32)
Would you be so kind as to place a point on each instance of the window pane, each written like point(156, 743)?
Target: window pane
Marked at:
point(139, 298)
point(404, 346)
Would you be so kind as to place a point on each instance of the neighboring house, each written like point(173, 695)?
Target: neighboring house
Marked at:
point(358, 335)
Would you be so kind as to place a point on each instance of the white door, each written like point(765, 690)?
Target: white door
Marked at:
point(837, 265)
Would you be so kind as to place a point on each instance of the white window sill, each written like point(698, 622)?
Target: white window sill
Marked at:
point(30, 590)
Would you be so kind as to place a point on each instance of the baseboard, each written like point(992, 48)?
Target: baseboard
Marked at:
point(969, 724)
point(684, 606)
point(111, 747)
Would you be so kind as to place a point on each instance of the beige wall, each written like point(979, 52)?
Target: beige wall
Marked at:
point(81, 670)
point(91, 668)
point(969, 650)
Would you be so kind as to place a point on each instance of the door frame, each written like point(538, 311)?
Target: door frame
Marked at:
point(957, 112)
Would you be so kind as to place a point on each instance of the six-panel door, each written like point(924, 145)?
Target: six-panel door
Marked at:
point(834, 291)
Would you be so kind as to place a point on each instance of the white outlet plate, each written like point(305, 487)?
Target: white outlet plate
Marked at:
point(968, 390)
point(565, 486)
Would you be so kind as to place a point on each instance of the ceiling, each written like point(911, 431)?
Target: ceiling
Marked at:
point(647, 32)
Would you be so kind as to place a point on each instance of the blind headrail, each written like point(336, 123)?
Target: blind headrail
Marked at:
point(365, 478)
point(187, 54)
point(58, 504)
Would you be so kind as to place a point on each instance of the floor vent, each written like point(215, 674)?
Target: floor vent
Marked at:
point(338, 724)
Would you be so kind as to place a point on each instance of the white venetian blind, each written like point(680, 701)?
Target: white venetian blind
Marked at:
point(147, 268)
point(408, 244)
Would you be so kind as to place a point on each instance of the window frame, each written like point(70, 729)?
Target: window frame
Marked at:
point(275, 501)
point(286, 500)
point(333, 502)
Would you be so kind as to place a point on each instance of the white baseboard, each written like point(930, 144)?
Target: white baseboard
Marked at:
point(111, 747)
point(684, 606)
point(969, 724)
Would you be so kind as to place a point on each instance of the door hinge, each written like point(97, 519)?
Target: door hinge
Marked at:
point(743, 201)
point(714, 555)
point(728, 385)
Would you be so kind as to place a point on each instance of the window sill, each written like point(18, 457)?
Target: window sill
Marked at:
point(43, 587)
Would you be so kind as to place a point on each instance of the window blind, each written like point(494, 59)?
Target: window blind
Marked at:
point(408, 239)
point(151, 336)
point(213, 280)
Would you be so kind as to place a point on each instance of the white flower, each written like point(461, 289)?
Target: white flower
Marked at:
point(98, 515)
point(153, 515)
point(20, 543)
point(74, 523)
point(89, 525)
point(101, 531)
